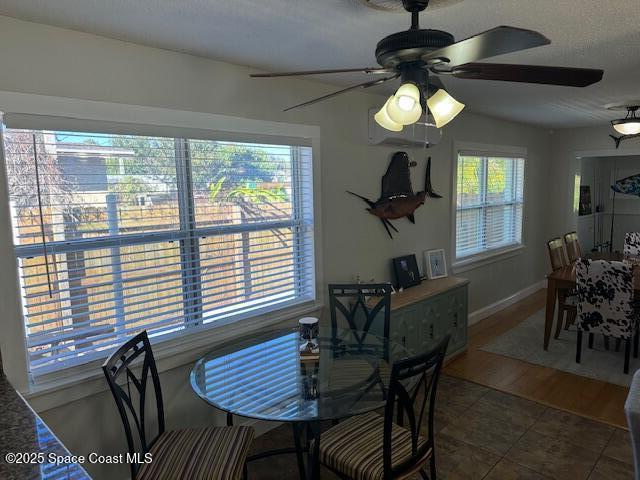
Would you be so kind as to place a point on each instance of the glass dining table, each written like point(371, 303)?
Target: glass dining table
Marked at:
point(264, 377)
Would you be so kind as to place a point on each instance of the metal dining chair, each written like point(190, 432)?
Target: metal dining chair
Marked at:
point(566, 298)
point(211, 453)
point(605, 304)
point(360, 309)
point(631, 244)
point(372, 446)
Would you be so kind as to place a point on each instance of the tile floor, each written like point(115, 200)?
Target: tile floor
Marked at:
point(485, 434)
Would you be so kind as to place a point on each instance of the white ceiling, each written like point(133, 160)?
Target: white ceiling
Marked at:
point(307, 34)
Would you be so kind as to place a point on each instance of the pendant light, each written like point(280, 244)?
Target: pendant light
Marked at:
point(630, 125)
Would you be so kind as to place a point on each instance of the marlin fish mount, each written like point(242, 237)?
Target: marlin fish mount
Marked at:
point(398, 199)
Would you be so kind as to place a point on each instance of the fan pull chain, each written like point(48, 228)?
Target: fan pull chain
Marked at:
point(44, 237)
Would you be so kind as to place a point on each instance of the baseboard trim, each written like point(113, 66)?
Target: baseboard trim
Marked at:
point(484, 312)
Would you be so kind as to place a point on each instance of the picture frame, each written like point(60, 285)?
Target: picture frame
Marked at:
point(435, 263)
point(406, 271)
point(584, 205)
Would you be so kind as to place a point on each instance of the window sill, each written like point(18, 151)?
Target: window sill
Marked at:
point(88, 379)
point(482, 259)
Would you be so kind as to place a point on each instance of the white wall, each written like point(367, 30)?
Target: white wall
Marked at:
point(49, 61)
point(603, 172)
point(587, 143)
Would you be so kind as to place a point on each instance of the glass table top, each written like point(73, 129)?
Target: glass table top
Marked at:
point(264, 377)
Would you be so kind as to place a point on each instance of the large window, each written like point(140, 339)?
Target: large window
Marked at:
point(118, 233)
point(489, 204)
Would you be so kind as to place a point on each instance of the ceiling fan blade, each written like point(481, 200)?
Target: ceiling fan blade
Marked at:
point(570, 77)
point(370, 70)
point(496, 41)
point(368, 84)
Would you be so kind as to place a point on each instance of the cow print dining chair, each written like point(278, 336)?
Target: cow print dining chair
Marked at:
point(631, 244)
point(605, 303)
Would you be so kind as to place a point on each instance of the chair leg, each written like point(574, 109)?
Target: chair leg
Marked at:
point(627, 354)
point(618, 343)
point(561, 312)
point(636, 338)
point(559, 322)
point(579, 346)
point(591, 341)
point(432, 466)
point(570, 319)
point(607, 346)
point(245, 472)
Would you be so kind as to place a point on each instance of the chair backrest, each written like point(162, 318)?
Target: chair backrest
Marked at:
point(574, 251)
point(363, 307)
point(632, 244)
point(605, 297)
point(118, 371)
point(416, 403)
point(556, 253)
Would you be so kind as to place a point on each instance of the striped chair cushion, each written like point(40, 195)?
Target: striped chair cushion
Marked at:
point(214, 453)
point(354, 447)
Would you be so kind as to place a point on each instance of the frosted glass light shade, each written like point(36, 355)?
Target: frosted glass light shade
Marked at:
point(382, 118)
point(631, 127)
point(444, 107)
point(404, 107)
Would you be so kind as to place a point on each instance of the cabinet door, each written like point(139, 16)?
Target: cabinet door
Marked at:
point(429, 324)
point(398, 329)
point(455, 306)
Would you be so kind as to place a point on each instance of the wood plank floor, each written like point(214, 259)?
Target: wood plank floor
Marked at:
point(583, 396)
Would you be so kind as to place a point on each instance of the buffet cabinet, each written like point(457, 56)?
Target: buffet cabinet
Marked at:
point(422, 315)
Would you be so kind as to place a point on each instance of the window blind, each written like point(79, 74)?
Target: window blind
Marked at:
point(118, 233)
point(489, 203)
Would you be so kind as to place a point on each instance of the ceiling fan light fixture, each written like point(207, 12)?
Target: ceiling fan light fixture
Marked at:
point(382, 118)
point(404, 107)
point(443, 107)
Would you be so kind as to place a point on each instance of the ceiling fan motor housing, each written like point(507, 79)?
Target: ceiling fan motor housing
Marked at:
point(410, 46)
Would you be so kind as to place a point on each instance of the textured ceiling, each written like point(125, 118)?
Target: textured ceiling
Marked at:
point(306, 34)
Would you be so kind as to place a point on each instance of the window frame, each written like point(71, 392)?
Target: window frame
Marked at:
point(170, 352)
point(488, 256)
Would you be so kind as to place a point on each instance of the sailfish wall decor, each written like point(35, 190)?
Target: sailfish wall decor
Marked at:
point(397, 199)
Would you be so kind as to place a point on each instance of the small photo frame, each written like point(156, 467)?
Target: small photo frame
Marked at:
point(436, 263)
point(406, 270)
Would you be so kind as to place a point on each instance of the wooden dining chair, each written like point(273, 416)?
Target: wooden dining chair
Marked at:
point(631, 244)
point(211, 453)
point(606, 304)
point(557, 256)
point(566, 299)
point(372, 446)
point(574, 251)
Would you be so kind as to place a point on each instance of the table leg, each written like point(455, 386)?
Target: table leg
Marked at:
point(551, 304)
point(314, 451)
point(298, 433)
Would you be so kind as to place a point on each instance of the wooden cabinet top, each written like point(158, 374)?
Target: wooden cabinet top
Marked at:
point(428, 288)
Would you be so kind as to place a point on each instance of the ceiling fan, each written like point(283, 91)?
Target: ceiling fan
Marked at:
point(419, 56)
